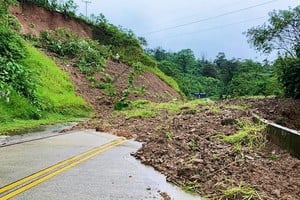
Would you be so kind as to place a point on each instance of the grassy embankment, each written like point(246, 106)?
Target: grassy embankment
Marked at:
point(55, 93)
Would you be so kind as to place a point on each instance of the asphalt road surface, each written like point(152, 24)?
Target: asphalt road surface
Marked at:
point(78, 165)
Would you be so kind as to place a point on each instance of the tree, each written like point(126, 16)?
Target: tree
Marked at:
point(186, 60)
point(209, 70)
point(281, 34)
point(289, 76)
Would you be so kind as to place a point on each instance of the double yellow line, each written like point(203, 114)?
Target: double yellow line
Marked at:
point(28, 182)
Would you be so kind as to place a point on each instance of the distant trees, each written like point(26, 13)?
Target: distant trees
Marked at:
point(219, 78)
point(282, 34)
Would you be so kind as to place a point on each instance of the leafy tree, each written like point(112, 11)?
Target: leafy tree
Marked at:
point(289, 70)
point(185, 59)
point(209, 70)
point(158, 53)
point(282, 33)
point(14, 77)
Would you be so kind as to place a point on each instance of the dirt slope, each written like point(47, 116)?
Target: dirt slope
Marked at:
point(35, 19)
point(155, 89)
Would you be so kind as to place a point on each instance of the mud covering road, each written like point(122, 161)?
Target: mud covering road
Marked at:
point(193, 155)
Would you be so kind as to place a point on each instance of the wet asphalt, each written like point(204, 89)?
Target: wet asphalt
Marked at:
point(113, 174)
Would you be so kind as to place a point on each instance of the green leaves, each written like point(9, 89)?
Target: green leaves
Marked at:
point(13, 75)
point(280, 34)
point(89, 55)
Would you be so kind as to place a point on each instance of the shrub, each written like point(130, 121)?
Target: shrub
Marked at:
point(89, 55)
point(13, 75)
point(289, 70)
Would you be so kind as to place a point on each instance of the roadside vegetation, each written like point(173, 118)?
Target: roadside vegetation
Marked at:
point(33, 90)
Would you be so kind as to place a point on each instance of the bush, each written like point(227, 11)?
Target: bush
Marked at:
point(11, 45)
point(89, 55)
point(122, 41)
point(13, 75)
point(289, 70)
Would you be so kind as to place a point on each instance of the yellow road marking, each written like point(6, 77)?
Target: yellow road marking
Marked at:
point(69, 164)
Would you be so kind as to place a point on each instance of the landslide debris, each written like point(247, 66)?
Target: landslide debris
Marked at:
point(214, 149)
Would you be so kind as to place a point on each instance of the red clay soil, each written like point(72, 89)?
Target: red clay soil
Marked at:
point(35, 19)
point(154, 88)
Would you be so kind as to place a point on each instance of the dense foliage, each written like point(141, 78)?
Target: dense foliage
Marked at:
point(122, 42)
point(218, 78)
point(282, 34)
point(14, 77)
point(33, 90)
point(88, 54)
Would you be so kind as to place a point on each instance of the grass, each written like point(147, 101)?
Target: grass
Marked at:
point(250, 135)
point(55, 90)
point(242, 192)
point(191, 187)
point(55, 93)
point(237, 107)
point(146, 109)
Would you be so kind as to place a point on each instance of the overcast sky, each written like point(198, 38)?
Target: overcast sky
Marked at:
point(214, 25)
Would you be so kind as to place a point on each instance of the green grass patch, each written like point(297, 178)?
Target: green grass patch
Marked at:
point(19, 126)
point(241, 191)
point(250, 136)
point(146, 109)
point(55, 91)
point(191, 187)
point(56, 97)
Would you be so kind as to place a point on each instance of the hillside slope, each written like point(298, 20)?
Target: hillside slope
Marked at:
point(35, 19)
point(55, 93)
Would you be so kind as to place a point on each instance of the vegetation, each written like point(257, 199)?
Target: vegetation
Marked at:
point(122, 42)
point(67, 7)
point(281, 34)
point(249, 136)
point(32, 88)
point(145, 109)
point(55, 98)
point(89, 55)
point(218, 79)
point(242, 191)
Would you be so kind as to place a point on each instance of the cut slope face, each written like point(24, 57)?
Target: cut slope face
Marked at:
point(155, 89)
point(35, 19)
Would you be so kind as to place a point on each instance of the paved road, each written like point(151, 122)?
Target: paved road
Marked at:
point(95, 166)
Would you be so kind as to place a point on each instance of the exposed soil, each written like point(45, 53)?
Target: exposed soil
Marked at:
point(35, 19)
point(193, 156)
point(154, 88)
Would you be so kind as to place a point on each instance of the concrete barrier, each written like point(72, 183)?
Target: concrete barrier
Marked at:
point(286, 138)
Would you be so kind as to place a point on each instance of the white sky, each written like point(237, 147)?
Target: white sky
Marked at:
point(206, 38)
